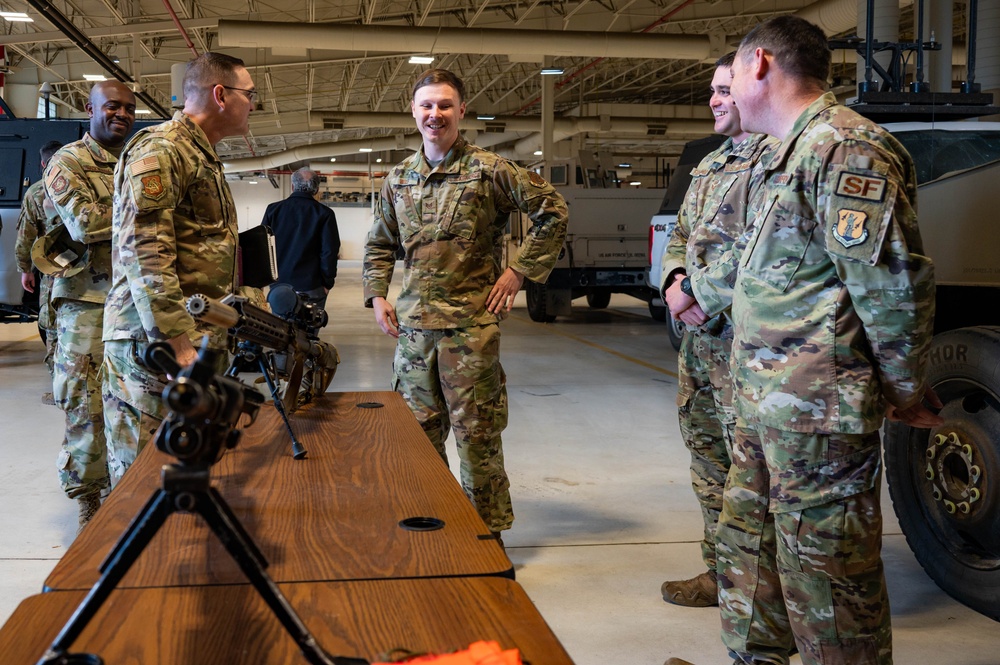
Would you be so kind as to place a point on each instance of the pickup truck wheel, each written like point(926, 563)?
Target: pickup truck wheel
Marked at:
point(536, 296)
point(945, 482)
point(598, 299)
point(675, 329)
point(658, 312)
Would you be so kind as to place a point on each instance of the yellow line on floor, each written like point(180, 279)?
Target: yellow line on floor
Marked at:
point(549, 327)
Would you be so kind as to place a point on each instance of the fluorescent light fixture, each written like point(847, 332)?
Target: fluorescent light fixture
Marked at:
point(94, 77)
point(251, 182)
point(378, 161)
point(537, 153)
point(635, 183)
point(485, 116)
point(551, 71)
point(16, 17)
point(624, 165)
point(421, 59)
point(364, 149)
point(333, 159)
point(142, 111)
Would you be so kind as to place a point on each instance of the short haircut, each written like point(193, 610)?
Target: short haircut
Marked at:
point(48, 149)
point(435, 76)
point(305, 180)
point(207, 70)
point(799, 48)
point(726, 61)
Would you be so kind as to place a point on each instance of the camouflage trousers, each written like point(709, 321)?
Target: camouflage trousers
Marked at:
point(799, 547)
point(133, 404)
point(707, 419)
point(453, 379)
point(76, 387)
point(47, 318)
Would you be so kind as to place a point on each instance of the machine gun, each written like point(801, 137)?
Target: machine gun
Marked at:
point(297, 356)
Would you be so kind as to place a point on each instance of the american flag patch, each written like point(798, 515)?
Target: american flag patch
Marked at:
point(143, 165)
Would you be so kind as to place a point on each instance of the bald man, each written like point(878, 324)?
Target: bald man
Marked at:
point(79, 193)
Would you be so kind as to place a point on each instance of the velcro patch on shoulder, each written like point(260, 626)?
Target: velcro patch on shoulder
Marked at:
point(851, 229)
point(152, 187)
point(144, 165)
point(864, 186)
point(59, 184)
point(536, 180)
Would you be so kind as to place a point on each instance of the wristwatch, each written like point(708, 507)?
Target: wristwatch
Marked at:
point(686, 287)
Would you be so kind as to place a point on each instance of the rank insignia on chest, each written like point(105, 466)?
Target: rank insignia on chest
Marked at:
point(851, 229)
point(152, 187)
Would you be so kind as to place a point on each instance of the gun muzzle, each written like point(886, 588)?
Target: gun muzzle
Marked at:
point(211, 311)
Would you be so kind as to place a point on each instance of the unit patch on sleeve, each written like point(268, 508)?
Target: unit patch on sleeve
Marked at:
point(536, 180)
point(858, 186)
point(60, 184)
point(152, 187)
point(851, 229)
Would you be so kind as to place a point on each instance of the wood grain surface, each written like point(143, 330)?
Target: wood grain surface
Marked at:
point(332, 516)
point(213, 625)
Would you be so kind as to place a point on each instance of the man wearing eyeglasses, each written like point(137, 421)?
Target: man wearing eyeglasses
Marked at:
point(174, 234)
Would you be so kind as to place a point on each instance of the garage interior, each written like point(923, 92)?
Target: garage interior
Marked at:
point(599, 474)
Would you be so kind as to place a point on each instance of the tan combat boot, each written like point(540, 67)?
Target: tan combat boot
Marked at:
point(700, 591)
point(88, 504)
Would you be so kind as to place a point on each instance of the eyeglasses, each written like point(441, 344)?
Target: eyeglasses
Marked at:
point(251, 95)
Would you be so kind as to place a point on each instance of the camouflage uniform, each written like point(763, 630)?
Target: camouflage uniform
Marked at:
point(713, 216)
point(833, 310)
point(32, 224)
point(174, 235)
point(79, 193)
point(450, 220)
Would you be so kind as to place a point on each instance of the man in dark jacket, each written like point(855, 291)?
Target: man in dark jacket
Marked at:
point(306, 238)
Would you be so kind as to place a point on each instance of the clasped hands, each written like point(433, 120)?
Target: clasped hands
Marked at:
point(683, 306)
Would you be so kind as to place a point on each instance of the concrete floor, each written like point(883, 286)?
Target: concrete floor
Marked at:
point(599, 480)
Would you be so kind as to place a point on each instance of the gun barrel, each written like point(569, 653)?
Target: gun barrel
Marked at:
point(244, 321)
point(211, 311)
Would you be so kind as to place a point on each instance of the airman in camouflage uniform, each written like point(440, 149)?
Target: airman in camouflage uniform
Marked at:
point(832, 311)
point(447, 206)
point(78, 194)
point(31, 225)
point(174, 235)
point(712, 217)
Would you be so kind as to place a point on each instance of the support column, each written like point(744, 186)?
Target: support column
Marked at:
point(548, 118)
point(940, 68)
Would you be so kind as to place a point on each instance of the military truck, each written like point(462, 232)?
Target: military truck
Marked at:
point(604, 252)
point(945, 482)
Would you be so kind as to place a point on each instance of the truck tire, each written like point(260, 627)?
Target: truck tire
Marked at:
point(658, 312)
point(945, 482)
point(675, 330)
point(598, 299)
point(537, 309)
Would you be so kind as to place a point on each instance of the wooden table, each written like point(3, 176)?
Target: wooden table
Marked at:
point(332, 516)
point(212, 625)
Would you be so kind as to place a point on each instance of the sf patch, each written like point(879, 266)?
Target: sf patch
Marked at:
point(851, 229)
point(152, 187)
point(861, 186)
